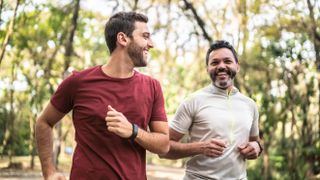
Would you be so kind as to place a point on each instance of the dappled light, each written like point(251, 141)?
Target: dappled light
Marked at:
point(278, 43)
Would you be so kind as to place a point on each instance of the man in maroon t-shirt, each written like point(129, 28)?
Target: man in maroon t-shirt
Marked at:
point(112, 107)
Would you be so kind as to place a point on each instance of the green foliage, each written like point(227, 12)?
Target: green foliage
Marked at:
point(278, 70)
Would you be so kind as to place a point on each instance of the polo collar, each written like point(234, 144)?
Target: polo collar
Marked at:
point(217, 90)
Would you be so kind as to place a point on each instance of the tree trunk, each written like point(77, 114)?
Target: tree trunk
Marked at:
point(69, 43)
point(199, 20)
point(67, 56)
point(1, 6)
point(266, 169)
point(9, 32)
point(316, 43)
point(11, 128)
point(242, 13)
point(315, 35)
point(135, 5)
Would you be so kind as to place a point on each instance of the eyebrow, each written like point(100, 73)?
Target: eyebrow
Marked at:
point(224, 58)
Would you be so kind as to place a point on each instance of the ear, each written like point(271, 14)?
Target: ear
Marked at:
point(238, 67)
point(122, 39)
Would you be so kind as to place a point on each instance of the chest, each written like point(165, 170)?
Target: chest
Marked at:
point(224, 114)
point(132, 99)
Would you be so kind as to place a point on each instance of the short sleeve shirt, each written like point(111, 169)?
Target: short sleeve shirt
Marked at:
point(213, 113)
point(100, 154)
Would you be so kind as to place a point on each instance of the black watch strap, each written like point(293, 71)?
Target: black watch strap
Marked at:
point(134, 134)
point(261, 147)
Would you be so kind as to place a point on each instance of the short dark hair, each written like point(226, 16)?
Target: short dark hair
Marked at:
point(221, 44)
point(121, 22)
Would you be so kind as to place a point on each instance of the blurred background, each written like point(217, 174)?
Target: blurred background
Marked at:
point(278, 43)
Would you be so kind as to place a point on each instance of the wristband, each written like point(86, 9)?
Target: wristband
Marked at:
point(261, 148)
point(134, 132)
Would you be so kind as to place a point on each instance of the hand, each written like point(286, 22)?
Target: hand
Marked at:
point(214, 147)
point(117, 123)
point(250, 150)
point(56, 176)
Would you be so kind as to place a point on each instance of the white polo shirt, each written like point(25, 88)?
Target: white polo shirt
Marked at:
point(213, 113)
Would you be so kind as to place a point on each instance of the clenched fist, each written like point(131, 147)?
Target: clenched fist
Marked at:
point(117, 123)
point(214, 147)
point(250, 150)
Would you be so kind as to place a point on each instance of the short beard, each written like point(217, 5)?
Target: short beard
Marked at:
point(223, 84)
point(136, 54)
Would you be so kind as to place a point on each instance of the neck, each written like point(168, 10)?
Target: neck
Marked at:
point(119, 66)
point(228, 89)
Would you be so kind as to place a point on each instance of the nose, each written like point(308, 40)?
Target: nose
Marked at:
point(221, 65)
point(150, 43)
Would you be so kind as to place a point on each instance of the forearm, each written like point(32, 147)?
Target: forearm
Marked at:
point(182, 150)
point(252, 149)
point(155, 142)
point(45, 146)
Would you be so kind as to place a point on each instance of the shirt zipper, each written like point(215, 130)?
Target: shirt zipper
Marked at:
point(232, 117)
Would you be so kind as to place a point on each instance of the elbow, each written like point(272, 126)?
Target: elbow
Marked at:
point(162, 156)
point(169, 155)
point(41, 126)
point(164, 149)
point(161, 151)
point(164, 153)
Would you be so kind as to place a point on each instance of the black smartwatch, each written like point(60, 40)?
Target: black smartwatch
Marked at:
point(134, 132)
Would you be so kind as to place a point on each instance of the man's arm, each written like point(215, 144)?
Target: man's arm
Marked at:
point(252, 149)
point(156, 141)
point(212, 148)
point(45, 122)
point(180, 150)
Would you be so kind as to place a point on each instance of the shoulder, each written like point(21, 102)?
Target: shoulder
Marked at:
point(247, 100)
point(146, 78)
point(198, 95)
point(193, 100)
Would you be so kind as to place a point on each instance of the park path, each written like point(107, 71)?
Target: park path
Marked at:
point(154, 172)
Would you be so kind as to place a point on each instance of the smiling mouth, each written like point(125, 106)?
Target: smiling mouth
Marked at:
point(145, 50)
point(222, 74)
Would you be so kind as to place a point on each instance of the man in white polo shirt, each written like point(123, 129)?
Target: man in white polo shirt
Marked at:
point(222, 123)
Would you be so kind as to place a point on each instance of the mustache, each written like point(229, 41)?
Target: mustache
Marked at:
point(227, 70)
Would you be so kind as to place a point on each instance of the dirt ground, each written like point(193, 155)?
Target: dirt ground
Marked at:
point(153, 173)
point(23, 172)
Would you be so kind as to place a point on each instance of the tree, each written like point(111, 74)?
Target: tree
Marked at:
point(9, 31)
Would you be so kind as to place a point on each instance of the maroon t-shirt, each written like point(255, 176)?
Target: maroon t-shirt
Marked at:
point(100, 154)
